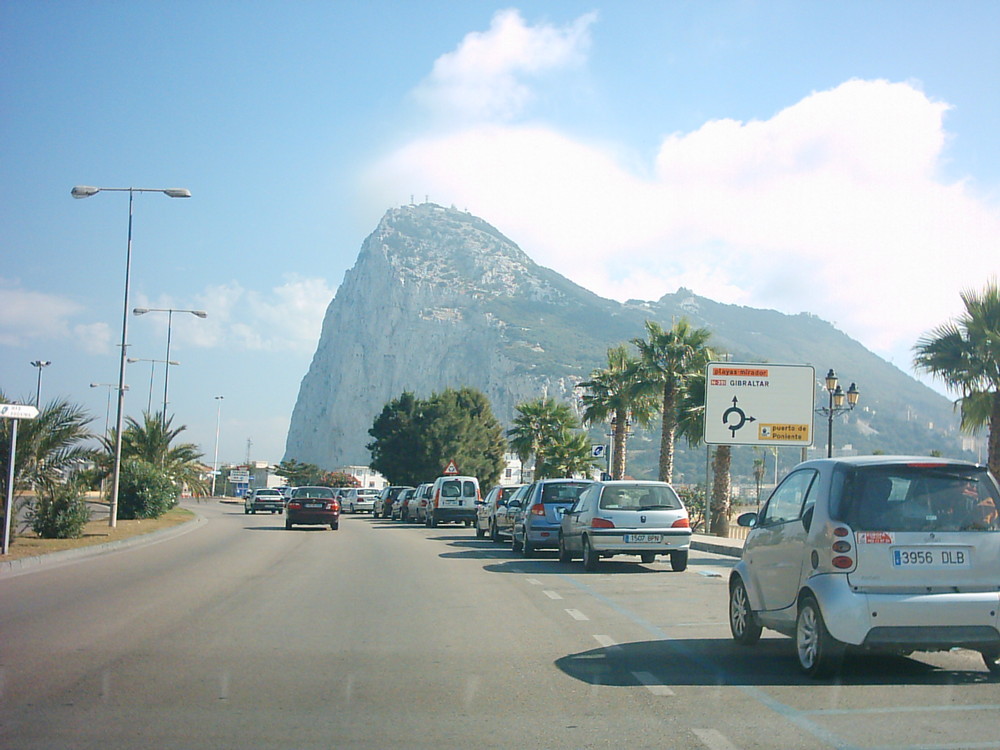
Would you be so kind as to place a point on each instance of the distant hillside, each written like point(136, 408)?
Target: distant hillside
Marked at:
point(440, 298)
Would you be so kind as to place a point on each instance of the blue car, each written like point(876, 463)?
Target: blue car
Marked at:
point(538, 513)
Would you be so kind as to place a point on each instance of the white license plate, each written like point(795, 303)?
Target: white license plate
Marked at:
point(643, 538)
point(315, 505)
point(931, 557)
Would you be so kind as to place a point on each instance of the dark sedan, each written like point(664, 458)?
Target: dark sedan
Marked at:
point(313, 506)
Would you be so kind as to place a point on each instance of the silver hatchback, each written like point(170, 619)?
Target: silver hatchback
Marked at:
point(626, 518)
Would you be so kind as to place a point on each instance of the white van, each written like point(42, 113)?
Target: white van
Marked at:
point(453, 499)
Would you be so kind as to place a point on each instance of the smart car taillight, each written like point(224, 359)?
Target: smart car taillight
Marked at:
point(681, 523)
point(842, 562)
point(601, 523)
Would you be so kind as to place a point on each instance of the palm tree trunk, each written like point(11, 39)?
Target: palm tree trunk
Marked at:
point(667, 434)
point(721, 490)
point(618, 440)
point(993, 440)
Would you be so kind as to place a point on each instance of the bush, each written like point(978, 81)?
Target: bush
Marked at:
point(144, 491)
point(60, 512)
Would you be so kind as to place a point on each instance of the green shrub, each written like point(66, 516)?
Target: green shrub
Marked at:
point(60, 511)
point(144, 491)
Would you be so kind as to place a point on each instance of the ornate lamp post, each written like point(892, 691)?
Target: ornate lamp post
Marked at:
point(836, 405)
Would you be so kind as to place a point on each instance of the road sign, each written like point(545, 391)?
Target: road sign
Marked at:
point(239, 477)
point(451, 469)
point(18, 411)
point(598, 451)
point(759, 404)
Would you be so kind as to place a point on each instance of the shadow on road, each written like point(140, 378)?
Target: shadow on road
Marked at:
point(318, 527)
point(720, 661)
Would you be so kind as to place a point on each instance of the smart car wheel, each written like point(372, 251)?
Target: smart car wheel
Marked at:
point(992, 659)
point(742, 621)
point(590, 558)
point(679, 560)
point(820, 654)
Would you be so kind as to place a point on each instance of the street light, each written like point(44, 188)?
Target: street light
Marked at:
point(107, 409)
point(152, 366)
point(836, 406)
point(218, 424)
point(170, 319)
point(85, 191)
point(39, 363)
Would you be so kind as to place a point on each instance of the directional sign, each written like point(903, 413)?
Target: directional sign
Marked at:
point(451, 469)
point(239, 477)
point(18, 411)
point(759, 404)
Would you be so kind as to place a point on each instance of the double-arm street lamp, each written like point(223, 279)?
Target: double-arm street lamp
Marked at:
point(152, 366)
point(836, 406)
point(170, 320)
point(39, 363)
point(85, 191)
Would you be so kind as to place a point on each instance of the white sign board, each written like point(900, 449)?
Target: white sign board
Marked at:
point(18, 411)
point(759, 404)
point(238, 477)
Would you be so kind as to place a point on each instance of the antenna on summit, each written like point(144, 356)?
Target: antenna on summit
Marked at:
point(411, 199)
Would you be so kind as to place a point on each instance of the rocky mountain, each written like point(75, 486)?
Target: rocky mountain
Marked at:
point(440, 298)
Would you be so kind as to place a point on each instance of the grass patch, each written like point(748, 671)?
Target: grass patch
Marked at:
point(95, 532)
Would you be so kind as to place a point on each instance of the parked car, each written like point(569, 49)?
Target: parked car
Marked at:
point(538, 513)
point(873, 553)
point(486, 513)
point(503, 516)
point(386, 499)
point(417, 507)
point(399, 508)
point(453, 500)
point(263, 499)
point(626, 518)
point(358, 500)
point(313, 506)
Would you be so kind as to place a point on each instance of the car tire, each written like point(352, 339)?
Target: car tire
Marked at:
point(591, 560)
point(514, 543)
point(281, 512)
point(743, 622)
point(527, 546)
point(647, 557)
point(564, 554)
point(494, 532)
point(376, 514)
point(679, 560)
point(253, 511)
point(819, 653)
point(288, 524)
point(335, 526)
point(991, 657)
point(246, 511)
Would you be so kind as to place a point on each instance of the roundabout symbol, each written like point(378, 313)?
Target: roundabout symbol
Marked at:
point(739, 417)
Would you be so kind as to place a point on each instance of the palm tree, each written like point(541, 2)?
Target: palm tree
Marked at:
point(965, 354)
point(568, 455)
point(669, 359)
point(691, 426)
point(537, 427)
point(617, 394)
point(152, 441)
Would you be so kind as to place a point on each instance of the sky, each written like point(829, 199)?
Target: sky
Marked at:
point(836, 158)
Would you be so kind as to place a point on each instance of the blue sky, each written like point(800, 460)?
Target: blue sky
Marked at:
point(838, 158)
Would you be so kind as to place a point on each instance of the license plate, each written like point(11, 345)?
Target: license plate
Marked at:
point(315, 505)
point(931, 557)
point(643, 538)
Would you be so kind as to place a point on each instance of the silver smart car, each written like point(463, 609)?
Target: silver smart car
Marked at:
point(881, 553)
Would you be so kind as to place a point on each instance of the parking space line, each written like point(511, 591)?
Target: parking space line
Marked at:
point(577, 614)
point(653, 685)
point(713, 739)
point(709, 573)
point(533, 581)
point(552, 594)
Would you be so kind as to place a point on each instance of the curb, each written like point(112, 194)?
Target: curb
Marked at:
point(731, 548)
point(13, 568)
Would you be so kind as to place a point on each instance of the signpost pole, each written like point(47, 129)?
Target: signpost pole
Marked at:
point(9, 501)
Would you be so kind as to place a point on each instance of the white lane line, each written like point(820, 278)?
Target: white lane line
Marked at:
point(713, 739)
point(709, 573)
point(533, 581)
point(552, 594)
point(653, 685)
point(577, 615)
point(607, 641)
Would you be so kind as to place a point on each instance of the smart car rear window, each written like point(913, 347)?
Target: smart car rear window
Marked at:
point(920, 498)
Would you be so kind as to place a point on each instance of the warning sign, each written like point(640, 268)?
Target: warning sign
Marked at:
point(451, 469)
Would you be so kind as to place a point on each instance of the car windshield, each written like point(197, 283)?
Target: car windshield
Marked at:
point(563, 492)
point(325, 492)
point(920, 498)
point(640, 497)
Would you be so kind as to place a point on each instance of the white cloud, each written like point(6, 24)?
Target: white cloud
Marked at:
point(28, 317)
point(835, 206)
point(484, 79)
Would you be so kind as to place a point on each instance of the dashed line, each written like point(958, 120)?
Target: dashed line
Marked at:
point(577, 614)
point(533, 581)
point(709, 573)
point(552, 594)
point(713, 739)
point(652, 684)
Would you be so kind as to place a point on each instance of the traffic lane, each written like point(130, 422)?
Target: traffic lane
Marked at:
point(875, 696)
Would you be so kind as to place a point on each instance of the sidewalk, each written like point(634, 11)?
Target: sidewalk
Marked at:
point(717, 544)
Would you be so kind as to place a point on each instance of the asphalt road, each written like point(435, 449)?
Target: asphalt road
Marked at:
point(240, 634)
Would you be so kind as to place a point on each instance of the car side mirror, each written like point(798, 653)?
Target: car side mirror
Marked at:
point(514, 504)
point(748, 520)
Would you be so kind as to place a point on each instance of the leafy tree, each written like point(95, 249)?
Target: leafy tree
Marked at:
point(144, 490)
point(299, 474)
point(338, 479)
point(568, 454)
point(397, 450)
point(617, 394)
point(152, 441)
point(669, 358)
point(965, 354)
point(538, 427)
point(60, 511)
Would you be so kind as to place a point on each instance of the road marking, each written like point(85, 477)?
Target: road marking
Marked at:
point(533, 581)
point(713, 739)
point(653, 685)
point(607, 641)
point(577, 614)
point(552, 594)
point(710, 573)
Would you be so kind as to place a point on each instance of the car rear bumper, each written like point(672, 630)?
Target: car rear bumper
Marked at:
point(312, 517)
point(267, 506)
point(613, 541)
point(453, 514)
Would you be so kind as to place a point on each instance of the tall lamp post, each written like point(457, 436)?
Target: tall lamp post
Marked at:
point(152, 365)
point(39, 363)
point(836, 406)
point(85, 191)
point(218, 424)
point(170, 319)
